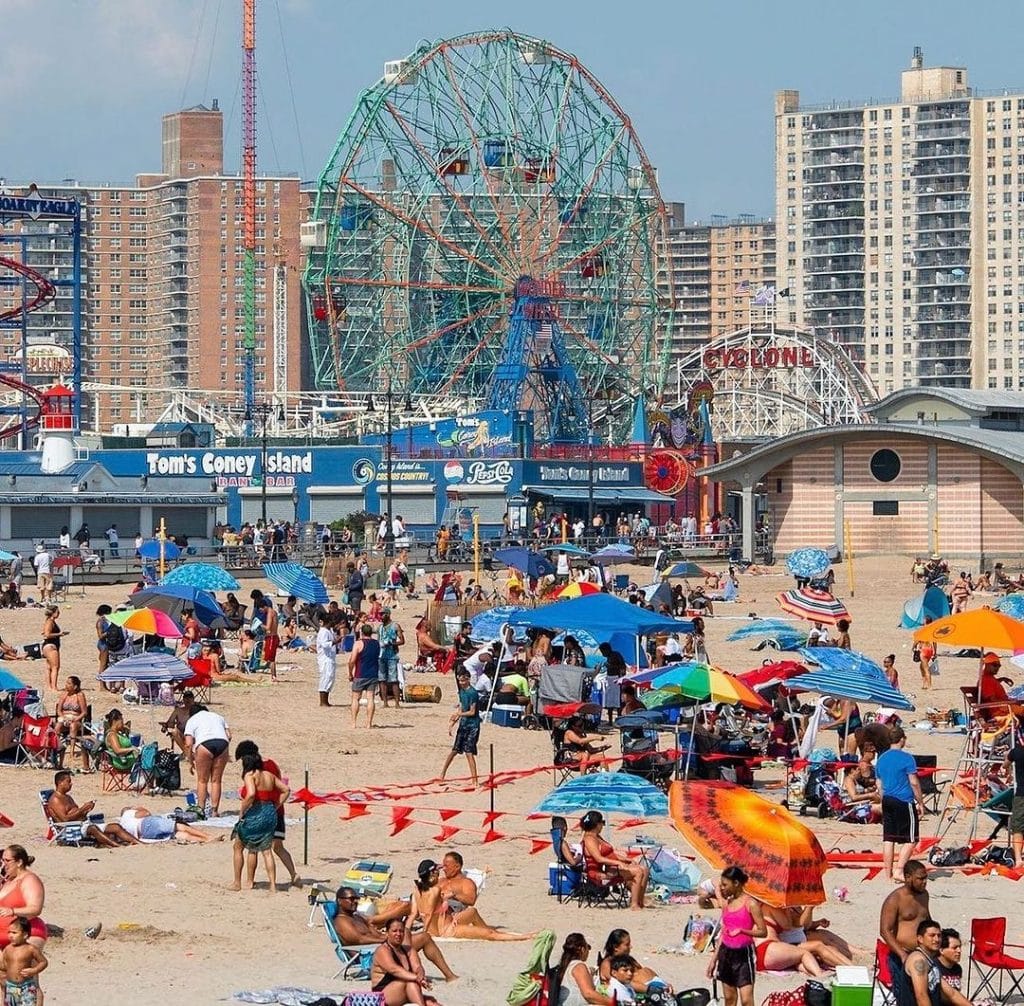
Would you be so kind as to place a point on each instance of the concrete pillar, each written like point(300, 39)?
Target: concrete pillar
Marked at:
point(5, 523)
point(146, 521)
point(76, 519)
point(747, 520)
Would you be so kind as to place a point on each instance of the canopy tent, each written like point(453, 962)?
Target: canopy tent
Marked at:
point(598, 613)
point(929, 606)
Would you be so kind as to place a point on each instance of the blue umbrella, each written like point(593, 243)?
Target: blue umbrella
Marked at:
point(567, 548)
point(607, 792)
point(150, 549)
point(932, 604)
point(760, 628)
point(1012, 605)
point(202, 576)
point(487, 624)
point(9, 683)
point(808, 562)
point(863, 683)
point(531, 564)
point(686, 569)
point(152, 667)
point(643, 718)
point(295, 579)
point(612, 554)
point(174, 598)
point(844, 661)
point(6, 556)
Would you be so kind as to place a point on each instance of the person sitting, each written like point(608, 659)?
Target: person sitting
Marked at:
point(117, 742)
point(584, 745)
point(698, 601)
point(211, 651)
point(70, 718)
point(621, 972)
point(396, 971)
point(174, 725)
point(992, 698)
point(796, 928)
point(513, 690)
point(575, 981)
point(630, 703)
point(568, 854)
point(144, 825)
point(603, 861)
point(619, 946)
point(62, 808)
point(782, 736)
point(950, 948)
point(354, 930)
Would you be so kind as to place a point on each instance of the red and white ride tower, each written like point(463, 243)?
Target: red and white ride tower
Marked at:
point(57, 423)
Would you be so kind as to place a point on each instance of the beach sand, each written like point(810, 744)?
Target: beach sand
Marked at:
point(172, 929)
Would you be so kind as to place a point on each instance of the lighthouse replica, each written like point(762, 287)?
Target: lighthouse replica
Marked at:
point(57, 422)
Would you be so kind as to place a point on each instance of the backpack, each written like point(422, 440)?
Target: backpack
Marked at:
point(145, 766)
point(167, 771)
point(114, 637)
point(949, 857)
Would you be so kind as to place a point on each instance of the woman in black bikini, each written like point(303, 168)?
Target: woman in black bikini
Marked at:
point(52, 635)
point(396, 970)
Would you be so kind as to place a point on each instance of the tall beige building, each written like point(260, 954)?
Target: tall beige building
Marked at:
point(162, 279)
point(716, 270)
point(901, 228)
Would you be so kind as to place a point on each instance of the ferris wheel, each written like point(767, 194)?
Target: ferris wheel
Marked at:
point(478, 168)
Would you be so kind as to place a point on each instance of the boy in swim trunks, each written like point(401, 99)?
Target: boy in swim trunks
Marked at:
point(20, 965)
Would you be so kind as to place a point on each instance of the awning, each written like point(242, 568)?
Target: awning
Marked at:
point(602, 494)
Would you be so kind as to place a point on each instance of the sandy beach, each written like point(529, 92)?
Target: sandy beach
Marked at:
point(172, 929)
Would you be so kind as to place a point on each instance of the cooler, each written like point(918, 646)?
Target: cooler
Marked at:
point(561, 879)
point(507, 716)
point(851, 987)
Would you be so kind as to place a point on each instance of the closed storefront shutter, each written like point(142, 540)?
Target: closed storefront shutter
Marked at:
point(187, 520)
point(413, 508)
point(490, 506)
point(326, 509)
point(99, 518)
point(278, 508)
point(40, 522)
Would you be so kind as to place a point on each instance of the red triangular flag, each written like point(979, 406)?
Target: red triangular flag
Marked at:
point(538, 845)
point(492, 836)
point(446, 832)
point(401, 825)
point(354, 810)
point(447, 813)
point(399, 814)
point(490, 817)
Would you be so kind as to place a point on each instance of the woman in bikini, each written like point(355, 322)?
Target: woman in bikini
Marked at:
point(70, 717)
point(797, 940)
point(427, 904)
point(603, 861)
point(396, 970)
point(52, 636)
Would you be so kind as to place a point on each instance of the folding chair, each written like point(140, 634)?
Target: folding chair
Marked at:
point(989, 958)
point(882, 978)
point(355, 961)
point(565, 762)
point(929, 784)
point(201, 681)
point(563, 877)
point(38, 742)
point(64, 832)
point(597, 887)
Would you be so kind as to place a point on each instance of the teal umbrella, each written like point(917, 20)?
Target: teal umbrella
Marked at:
point(202, 576)
point(608, 792)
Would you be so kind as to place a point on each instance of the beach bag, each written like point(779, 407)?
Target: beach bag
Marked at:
point(816, 994)
point(145, 766)
point(789, 997)
point(114, 637)
point(363, 999)
point(995, 855)
point(167, 772)
point(915, 654)
point(958, 856)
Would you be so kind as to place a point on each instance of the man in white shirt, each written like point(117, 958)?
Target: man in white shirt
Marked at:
point(326, 659)
point(43, 563)
point(114, 541)
point(578, 528)
point(562, 568)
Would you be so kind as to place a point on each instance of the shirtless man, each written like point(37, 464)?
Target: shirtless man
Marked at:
point(459, 892)
point(355, 931)
point(62, 808)
point(272, 640)
point(902, 912)
point(922, 971)
point(174, 725)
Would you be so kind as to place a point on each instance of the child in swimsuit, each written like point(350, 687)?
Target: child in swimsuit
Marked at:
point(21, 963)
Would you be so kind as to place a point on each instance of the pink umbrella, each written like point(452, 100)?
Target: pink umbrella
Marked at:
point(150, 621)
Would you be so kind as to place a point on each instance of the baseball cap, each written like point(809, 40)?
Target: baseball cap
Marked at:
point(426, 867)
point(991, 658)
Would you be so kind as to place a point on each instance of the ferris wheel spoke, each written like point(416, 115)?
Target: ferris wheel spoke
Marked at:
point(587, 343)
point(401, 284)
point(452, 326)
point(483, 344)
point(456, 197)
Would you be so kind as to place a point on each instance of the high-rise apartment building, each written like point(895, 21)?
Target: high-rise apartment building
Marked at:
point(162, 278)
point(716, 270)
point(900, 229)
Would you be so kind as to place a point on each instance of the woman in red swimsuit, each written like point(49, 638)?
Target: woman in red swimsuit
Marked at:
point(21, 894)
point(602, 861)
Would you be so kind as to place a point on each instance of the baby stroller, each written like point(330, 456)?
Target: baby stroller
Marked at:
point(640, 756)
point(535, 985)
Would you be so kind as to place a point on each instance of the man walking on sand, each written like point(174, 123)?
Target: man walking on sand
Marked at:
point(271, 640)
point(363, 671)
point(902, 911)
point(43, 563)
point(902, 800)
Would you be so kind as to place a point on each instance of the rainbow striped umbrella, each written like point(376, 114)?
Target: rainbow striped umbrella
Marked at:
point(813, 605)
point(703, 683)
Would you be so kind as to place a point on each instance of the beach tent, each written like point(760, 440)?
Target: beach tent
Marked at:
point(597, 613)
point(932, 604)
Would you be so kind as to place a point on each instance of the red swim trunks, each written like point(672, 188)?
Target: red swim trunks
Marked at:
point(270, 644)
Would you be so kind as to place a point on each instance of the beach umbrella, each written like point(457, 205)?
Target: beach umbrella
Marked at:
point(984, 627)
point(772, 672)
point(932, 604)
point(576, 589)
point(835, 658)
point(202, 576)
point(607, 792)
point(293, 578)
point(762, 627)
point(861, 685)
point(6, 556)
point(486, 625)
point(569, 549)
point(174, 598)
point(1012, 605)
point(664, 698)
point(808, 562)
point(149, 621)
point(686, 569)
point(610, 555)
point(152, 667)
point(10, 683)
point(731, 826)
point(150, 549)
point(529, 563)
point(813, 605)
point(704, 683)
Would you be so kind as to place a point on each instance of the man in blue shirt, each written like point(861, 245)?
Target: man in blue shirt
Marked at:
point(902, 801)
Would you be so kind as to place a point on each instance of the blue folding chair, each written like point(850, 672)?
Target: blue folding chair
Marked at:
point(355, 961)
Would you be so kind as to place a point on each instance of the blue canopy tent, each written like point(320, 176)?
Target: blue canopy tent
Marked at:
point(932, 604)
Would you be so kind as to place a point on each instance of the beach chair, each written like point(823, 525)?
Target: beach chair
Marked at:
point(929, 784)
point(201, 681)
point(64, 832)
point(563, 877)
point(255, 663)
point(599, 887)
point(620, 583)
point(989, 958)
point(368, 877)
point(38, 742)
point(565, 762)
point(127, 780)
point(882, 978)
point(355, 961)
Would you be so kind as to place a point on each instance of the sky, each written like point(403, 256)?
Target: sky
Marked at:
point(86, 81)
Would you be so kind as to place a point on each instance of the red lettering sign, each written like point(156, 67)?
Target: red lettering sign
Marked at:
point(754, 358)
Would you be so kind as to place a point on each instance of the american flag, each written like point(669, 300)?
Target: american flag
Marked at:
point(765, 295)
point(743, 287)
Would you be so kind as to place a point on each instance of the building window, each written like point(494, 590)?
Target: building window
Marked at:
point(885, 508)
point(885, 465)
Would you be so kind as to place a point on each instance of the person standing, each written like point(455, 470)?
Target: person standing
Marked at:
point(465, 721)
point(206, 744)
point(52, 636)
point(1015, 760)
point(363, 672)
point(326, 658)
point(902, 800)
point(17, 573)
point(902, 912)
point(355, 587)
point(43, 563)
point(742, 922)
point(390, 637)
point(272, 640)
point(113, 541)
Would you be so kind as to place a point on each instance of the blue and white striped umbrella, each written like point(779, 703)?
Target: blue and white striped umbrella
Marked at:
point(808, 562)
point(1012, 605)
point(862, 679)
point(615, 553)
point(607, 792)
point(153, 667)
point(297, 580)
point(764, 628)
point(202, 576)
point(844, 661)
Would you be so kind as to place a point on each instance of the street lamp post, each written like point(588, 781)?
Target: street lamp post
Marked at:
point(263, 411)
point(389, 435)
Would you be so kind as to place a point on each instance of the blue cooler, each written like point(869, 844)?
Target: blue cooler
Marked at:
point(507, 716)
point(562, 879)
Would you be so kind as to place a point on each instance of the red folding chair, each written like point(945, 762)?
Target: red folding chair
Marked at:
point(201, 681)
point(989, 958)
point(38, 742)
point(882, 979)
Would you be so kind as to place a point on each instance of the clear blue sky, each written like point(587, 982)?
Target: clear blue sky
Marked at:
point(86, 81)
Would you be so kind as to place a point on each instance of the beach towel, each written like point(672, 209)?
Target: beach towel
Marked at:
point(530, 980)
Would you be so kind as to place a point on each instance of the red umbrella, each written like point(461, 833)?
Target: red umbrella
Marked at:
point(772, 672)
point(813, 605)
point(577, 589)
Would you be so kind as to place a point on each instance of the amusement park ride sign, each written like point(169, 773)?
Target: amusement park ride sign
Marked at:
point(756, 358)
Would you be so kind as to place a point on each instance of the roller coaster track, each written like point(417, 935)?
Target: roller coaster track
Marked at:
point(45, 291)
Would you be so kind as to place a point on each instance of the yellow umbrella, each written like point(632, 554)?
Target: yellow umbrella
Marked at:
point(983, 627)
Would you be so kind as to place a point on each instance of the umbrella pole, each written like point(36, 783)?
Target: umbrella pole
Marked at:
point(305, 824)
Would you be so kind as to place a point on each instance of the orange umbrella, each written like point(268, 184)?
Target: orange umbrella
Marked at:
point(576, 589)
point(731, 826)
point(984, 627)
